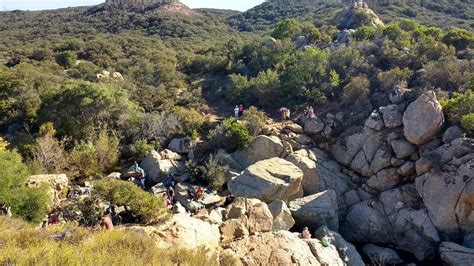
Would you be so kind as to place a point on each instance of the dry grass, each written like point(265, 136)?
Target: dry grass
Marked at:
point(21, 244)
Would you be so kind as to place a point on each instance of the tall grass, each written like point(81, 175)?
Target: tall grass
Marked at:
point(21, 244)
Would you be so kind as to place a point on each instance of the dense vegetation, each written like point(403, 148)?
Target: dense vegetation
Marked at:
point(444, 13)
point(60, 116)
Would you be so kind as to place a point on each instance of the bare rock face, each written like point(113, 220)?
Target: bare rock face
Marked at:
point(314, 126)
point(359, 14)
point(451, 134)
point(278, 248)
point(157, 168)
point(268, 180)
point(454, 190)
point(261, 148)
point(253, 214)
point(455, 255)
point(182, 146)
point(402, 148)
point(316, 210)
point(325, 255)
point(422, 119)
point(347, 252)
point(282, 219)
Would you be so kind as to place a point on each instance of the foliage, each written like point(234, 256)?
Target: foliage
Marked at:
point(459, 38)
point(140, 148)
point(286, 29)
point(458, 106)
point(27, 246)
point(467, 124)
point(27, 203)
point(356, 93)
point(255, 120)
point(48, 152)
point(191, 121)
point(213, 173)
point(231, 135)
point(145, 207)
point(3, 144)
point(396, 76)
point(66, 59)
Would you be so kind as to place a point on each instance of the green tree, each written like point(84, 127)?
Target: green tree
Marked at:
point(289, 28)
point(459, 38)
point(27, 203)
point(66, 59)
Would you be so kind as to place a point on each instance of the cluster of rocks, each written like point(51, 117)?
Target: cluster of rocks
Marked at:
point(106, 75)
point(356, 16)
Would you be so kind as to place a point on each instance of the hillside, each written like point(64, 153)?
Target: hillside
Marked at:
point(445, 14)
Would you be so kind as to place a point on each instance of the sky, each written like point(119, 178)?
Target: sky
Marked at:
point(241, 5)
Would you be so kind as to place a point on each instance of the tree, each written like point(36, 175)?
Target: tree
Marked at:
point(289, 28)
point(66, 59)
point(48, 152)
point(27, 203)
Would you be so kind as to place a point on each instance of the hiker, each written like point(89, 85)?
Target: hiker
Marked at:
point(284, 114)
point(5, 210)
point(199, 193)
point(106, 221)
point(170, 197)
point(241, 110)
point(236, 112)
point(140, 172)
point(309, 112)
point(306, 234)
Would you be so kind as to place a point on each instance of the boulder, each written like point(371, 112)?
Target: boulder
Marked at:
point(316, 210)
point(295, 128)
point(392, 118)
point(169, 155)
point(407, 169)
point(346, 250)
point(57, 186)
point(381, 160)
point(261, 148)
point(182, 145)
point(282, 219)
point(454, 190)
point(268, 180)
point(402, 148)
point(422, 166)
point(451, 134)
point(253, 213)
point(313, 126)
point(374, 121)
point(303, 139)
point(233, 229)
point(422, 119)
point(455, 255)
point(216, 216)
point(345, 151)
point(277, 248)
point(397, 95)
point(325, 255)
point(381, 256)
point(158, 169)
point(384, 180)
point(468, 240)
point(361, 165)
point(188, 232)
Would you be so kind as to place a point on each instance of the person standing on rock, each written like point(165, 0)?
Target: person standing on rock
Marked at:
point(236, 112)
point(241, 110)
point(140, 173)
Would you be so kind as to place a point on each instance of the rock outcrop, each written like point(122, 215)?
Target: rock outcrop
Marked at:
point(261, 148)
point(157, 168)
point(268, 180)
point(57, 185)
point(359, 14)
point(282, 219)
point(455, 255)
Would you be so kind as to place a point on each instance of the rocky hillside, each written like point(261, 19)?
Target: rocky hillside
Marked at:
point(436, 13)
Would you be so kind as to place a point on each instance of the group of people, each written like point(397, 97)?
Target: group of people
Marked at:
point(285, 114)
point(238, 111)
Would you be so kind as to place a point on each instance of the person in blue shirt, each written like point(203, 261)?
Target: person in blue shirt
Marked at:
point(137, 169)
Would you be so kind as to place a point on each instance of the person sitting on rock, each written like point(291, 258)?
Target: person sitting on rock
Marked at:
point(106, 221)
point(140, 173)
point(199, 193)
point(306, 234)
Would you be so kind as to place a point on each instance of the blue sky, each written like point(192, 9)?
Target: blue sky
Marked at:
point(51, 4)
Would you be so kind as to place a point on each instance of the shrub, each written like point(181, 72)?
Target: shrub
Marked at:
point(255, 120)
point(467, 124)
point(458, 106)
point(230, 135)
point(140, 148)
point(289, 28)
point(48, 152)
point(459, 38)
point(66, 59)
point(364, 33)
point(145, 207)
point(83, 160)
point(80, 246)
point(212, 172)
point(356, 92)
point(107, 149)
point(393, 77)
point(27, 203)
point(191, 121)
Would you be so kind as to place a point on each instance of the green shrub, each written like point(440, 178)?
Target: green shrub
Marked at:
point(140, 148)
point(191, 120)
point(356, 92)
point(213, 173)
point(459, 38)
point(255, 120)
point(467, 124)
point(145, 207)
point(27, 203)
point(66, 59)
point(458, 106)
point(396, 76)
point(83, 160)
point(231, 135)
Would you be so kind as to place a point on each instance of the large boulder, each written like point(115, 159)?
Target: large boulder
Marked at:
point(268, 180)
point(233, 229)
point(261, 148)
point(325, 255)
point(423, 118)
point(313, 126)
point(379, 255)
point(452, 188)
point(356, 16)
point(316, 210)
point(282, 219)
point(157, 169)
point(57, 185)
point(253, 213)
point(402, 148)
point(455, 255)
point(184, 231)
point(277, 248)
point(182, 145)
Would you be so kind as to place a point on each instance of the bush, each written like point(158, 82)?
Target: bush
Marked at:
point(356, 93)
point(66, 59)
point(231, 135)
point(28, 246)
point(458, 106)
point(145, 207)
point(459, 38)
point(255, 120)
point(48, 152)
point(27, 203)
point(396, 76)
point(140, 148)
point(212, 173)
point(191, 120)
point(467, 124)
